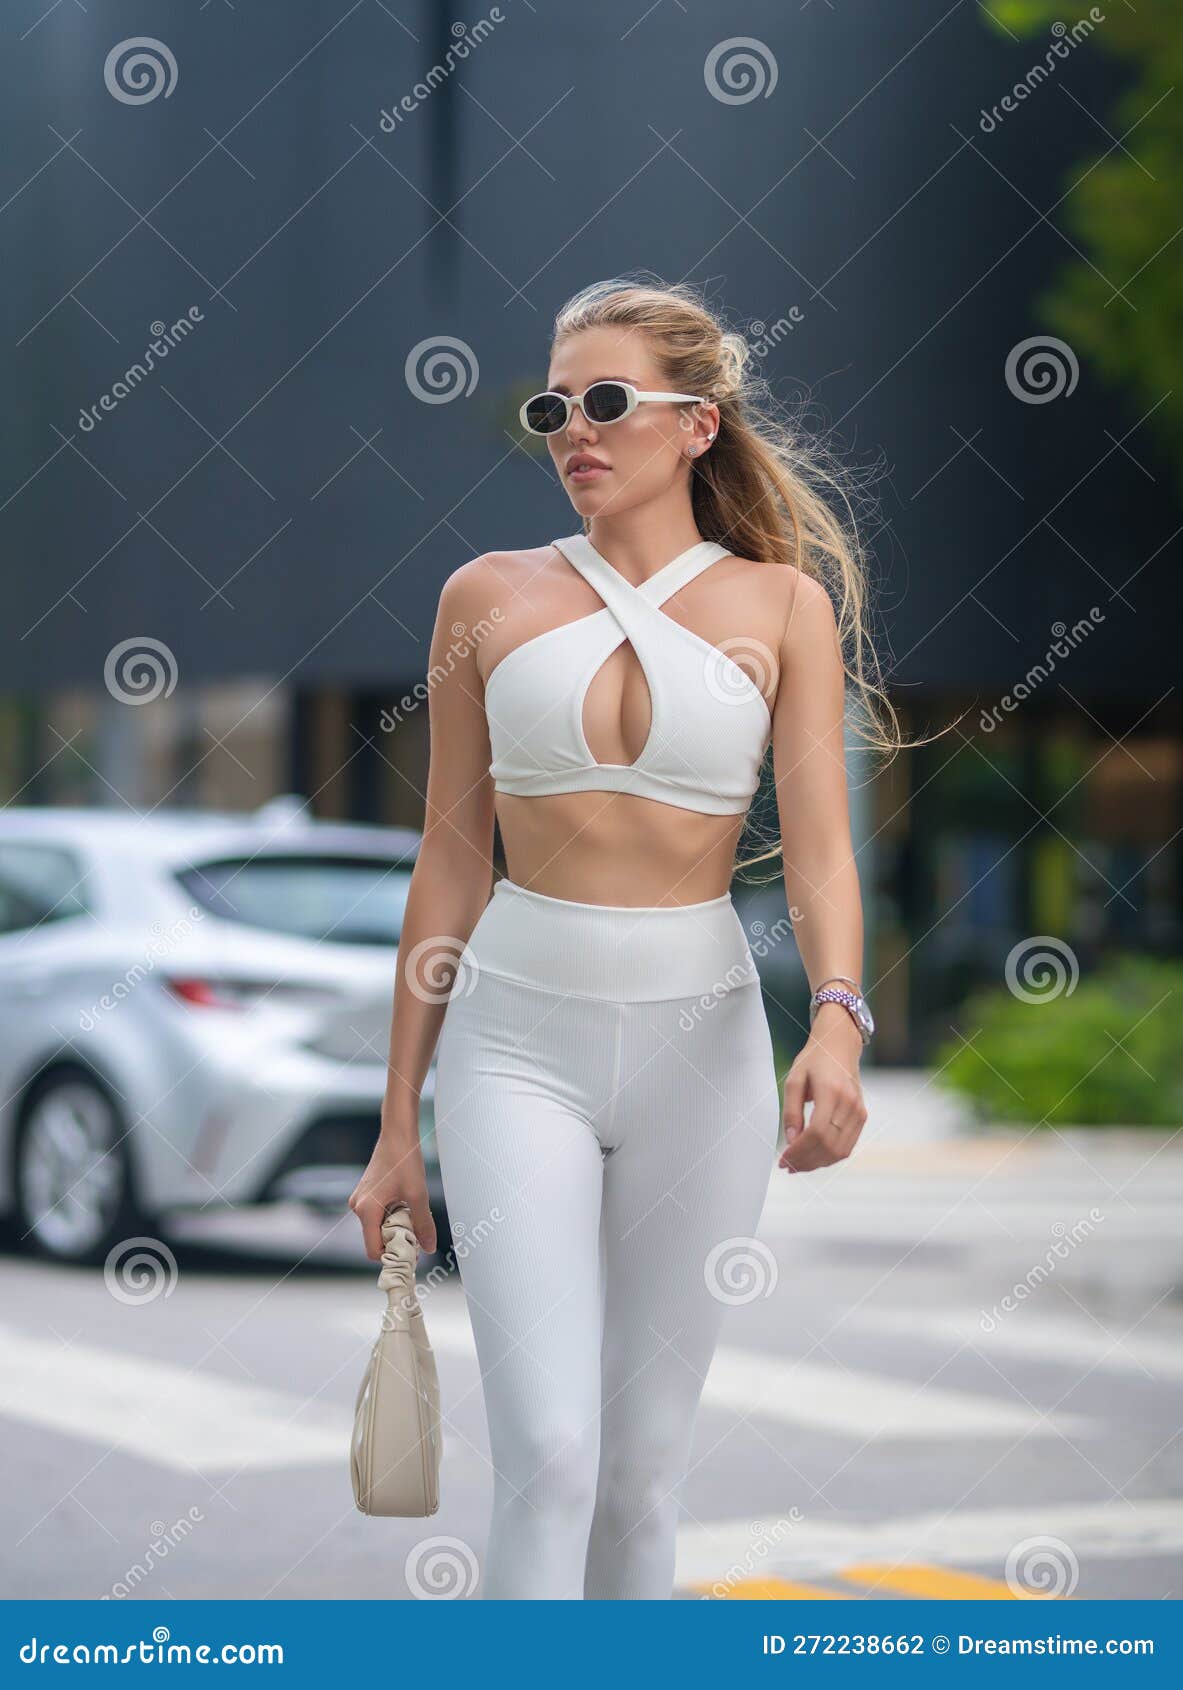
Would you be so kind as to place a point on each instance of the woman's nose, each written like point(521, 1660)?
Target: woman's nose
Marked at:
point(578, 427)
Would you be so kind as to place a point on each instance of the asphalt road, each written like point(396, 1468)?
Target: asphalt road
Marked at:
point(957, 1370)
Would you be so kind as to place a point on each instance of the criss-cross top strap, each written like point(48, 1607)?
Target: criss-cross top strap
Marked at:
point(635, 606)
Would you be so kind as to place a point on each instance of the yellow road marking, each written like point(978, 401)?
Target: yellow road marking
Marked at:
point(770, 1590)
point(943, 1583)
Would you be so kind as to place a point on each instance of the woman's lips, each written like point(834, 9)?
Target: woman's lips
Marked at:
point(584, 474)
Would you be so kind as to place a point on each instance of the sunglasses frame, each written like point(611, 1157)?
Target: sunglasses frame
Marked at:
point(634, 396)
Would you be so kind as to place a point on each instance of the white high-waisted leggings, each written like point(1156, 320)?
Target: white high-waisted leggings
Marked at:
point(607, 1114)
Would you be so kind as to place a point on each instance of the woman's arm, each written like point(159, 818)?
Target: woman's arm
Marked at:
point(821, 880)
point(449, 889)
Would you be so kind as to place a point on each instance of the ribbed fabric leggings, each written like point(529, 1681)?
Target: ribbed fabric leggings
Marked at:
point(607, 1115)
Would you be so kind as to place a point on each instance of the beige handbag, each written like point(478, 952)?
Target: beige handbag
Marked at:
point(396, 1426)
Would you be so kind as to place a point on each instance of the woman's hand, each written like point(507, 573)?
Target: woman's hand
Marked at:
point(826, 1075)
point(395, 1174)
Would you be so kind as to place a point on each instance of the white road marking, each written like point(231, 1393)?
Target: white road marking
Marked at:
point(164, 1412)
point(769, 1546)
point(864, 1405)
point(806, 1393)
point(1063, 1342)
point(875, 1212)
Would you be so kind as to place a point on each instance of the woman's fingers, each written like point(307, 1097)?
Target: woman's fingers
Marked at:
point(371, 1212)
point(805, 1153)
point(423, 1222)
point(850, 1114)
point(834, 1126)
point(808, 1150)
point(394, 1175)
point(794, 1117)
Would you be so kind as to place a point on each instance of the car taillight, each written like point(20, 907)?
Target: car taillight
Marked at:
point(207, 991)
point(211, 994)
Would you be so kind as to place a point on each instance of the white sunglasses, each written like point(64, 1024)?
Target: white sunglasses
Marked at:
point(603, 402)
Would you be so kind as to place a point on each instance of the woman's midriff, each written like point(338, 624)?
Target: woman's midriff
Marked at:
point(612, 848)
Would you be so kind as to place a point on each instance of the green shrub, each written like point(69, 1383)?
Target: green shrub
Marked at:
point(1107, 1054)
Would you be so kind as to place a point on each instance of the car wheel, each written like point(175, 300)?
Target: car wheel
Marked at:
point(72, 1177)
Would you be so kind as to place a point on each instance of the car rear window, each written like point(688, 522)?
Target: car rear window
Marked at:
point(345, 900)
point(38, 883)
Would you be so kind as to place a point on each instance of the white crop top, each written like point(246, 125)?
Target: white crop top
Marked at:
point(709, 725)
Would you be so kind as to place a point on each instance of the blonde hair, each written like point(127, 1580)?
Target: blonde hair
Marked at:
point(763, 490)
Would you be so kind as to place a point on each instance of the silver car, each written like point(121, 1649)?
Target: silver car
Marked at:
point(194, 1013)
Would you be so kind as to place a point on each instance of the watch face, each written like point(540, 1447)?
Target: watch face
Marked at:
point(864, 1018)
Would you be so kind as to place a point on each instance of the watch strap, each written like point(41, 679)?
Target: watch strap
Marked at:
point(850, 1001)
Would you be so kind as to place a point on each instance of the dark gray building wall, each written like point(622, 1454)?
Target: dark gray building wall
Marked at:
point(229, 506)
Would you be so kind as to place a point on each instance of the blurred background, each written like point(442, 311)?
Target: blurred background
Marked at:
point(276, 280)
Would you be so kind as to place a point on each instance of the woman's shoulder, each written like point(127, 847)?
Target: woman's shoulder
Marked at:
point(774, 586)
point(783, 605)
point(501, 566)
point(492, 578)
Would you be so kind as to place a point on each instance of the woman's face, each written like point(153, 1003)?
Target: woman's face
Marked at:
point(616, 466)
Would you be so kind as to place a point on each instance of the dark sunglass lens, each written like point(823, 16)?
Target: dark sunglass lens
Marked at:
point(605, 402)
point(546, 413)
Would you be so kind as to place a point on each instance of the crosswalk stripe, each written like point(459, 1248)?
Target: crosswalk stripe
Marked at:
point(160, 1411)
point(772, 1590)
point(804, 1393)
point(854, 1403)
point(943, 1216)
point(1024, 1333)
point(959, 1537)
point(945, 1584)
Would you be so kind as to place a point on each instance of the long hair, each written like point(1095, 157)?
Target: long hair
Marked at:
point(764, 490)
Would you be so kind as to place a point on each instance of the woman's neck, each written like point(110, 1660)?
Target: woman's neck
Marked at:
point(638, 542)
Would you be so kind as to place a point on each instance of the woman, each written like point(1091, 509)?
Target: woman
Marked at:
point(606, 1102)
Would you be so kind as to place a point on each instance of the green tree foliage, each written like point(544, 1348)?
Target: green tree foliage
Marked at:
point(1105, 1054)
point(1124, 206)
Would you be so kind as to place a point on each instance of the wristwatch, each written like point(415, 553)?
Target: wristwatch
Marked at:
point(853, 1002)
